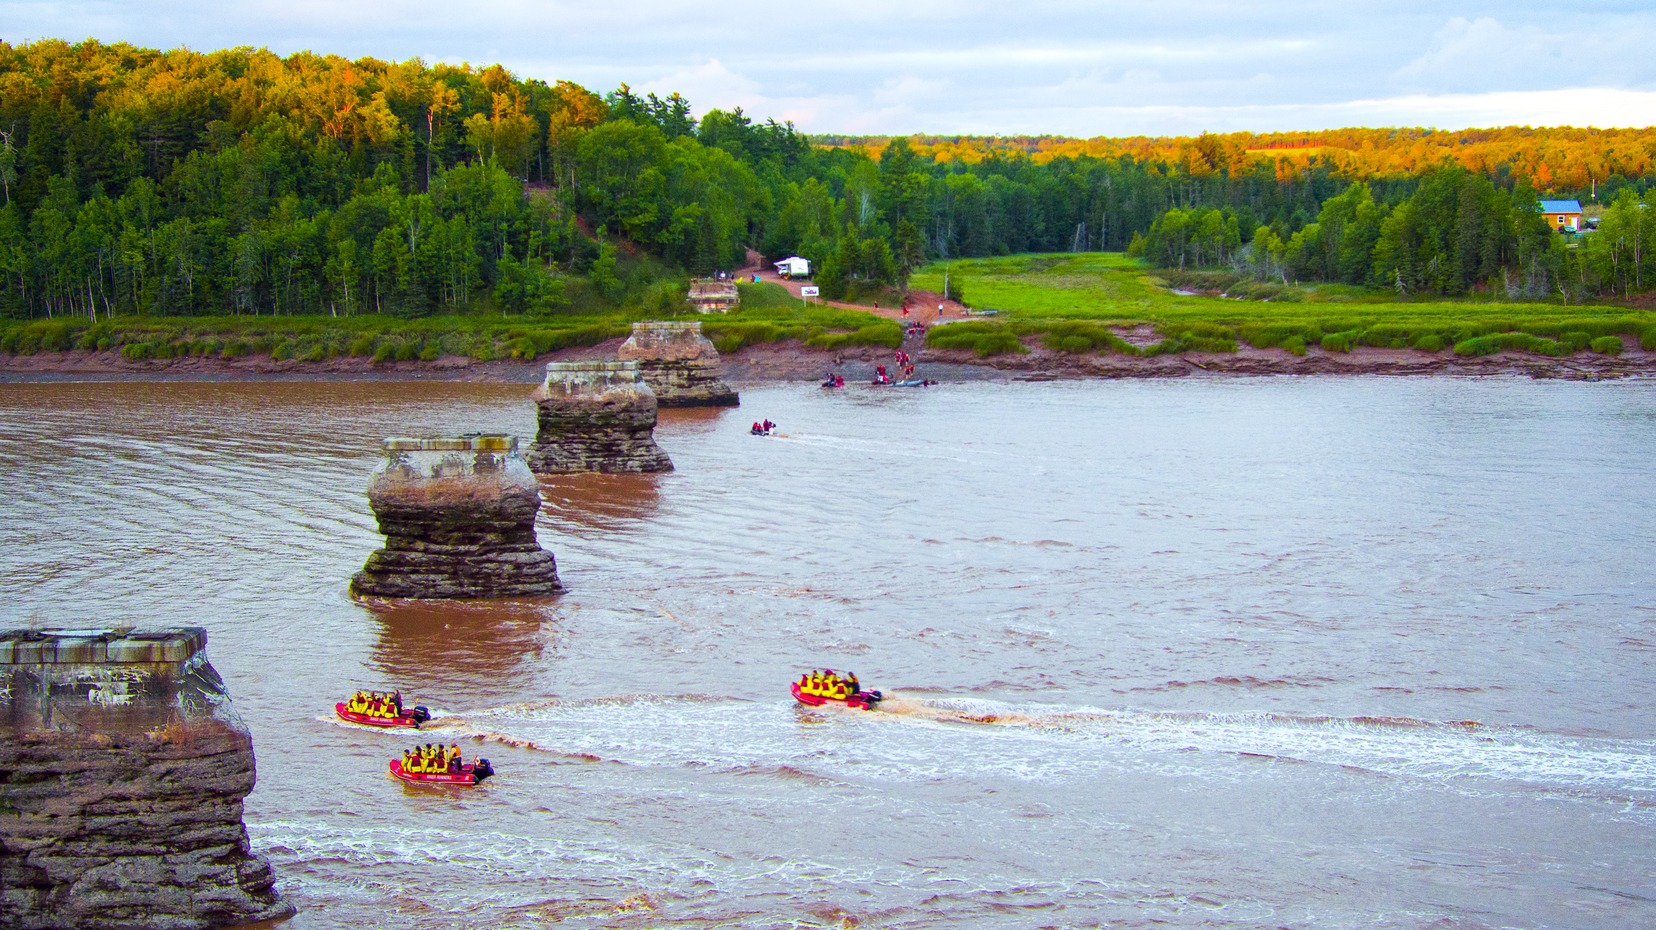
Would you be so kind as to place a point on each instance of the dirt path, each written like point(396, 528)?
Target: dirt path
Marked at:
point(925, 307)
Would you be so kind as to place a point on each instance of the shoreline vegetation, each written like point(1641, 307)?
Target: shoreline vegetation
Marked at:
point(1062, 315)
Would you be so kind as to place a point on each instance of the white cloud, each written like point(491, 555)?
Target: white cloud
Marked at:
point(709, 86)
point(1486, 54)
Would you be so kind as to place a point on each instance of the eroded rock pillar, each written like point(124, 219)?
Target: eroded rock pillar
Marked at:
point(596, 417)
point(679, 363)
point(122, 772)
point(458, 514)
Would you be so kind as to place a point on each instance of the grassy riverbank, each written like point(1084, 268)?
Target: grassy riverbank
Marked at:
point(1094, 302)
point(767, 314)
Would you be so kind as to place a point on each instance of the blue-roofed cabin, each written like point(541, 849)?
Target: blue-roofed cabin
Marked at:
point(1562, 214)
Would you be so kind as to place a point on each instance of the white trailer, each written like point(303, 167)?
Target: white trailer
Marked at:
point(794, 267)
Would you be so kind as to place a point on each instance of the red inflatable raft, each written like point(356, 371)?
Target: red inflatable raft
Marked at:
point(856, 700)
point(411, 718)
point(469, 774)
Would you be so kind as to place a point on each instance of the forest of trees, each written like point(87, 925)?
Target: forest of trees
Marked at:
point(1455, 233)
point(1571, 161)
point(137, 181)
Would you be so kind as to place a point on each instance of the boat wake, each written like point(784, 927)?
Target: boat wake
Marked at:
point(914, 736)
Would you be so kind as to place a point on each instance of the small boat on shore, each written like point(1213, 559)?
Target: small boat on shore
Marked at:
point(469, 774)
point(817, 689)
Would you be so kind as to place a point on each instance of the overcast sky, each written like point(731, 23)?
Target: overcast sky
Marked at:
point(981, 66)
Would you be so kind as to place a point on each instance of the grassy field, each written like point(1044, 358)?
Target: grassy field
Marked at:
point(1069, 302)
point(767, 314)
point(1078, 302)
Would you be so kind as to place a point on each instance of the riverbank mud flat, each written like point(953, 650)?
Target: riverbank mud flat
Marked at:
point(793, 361)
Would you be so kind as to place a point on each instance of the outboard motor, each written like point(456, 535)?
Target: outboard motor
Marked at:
point(420, 714)
point(482, 770)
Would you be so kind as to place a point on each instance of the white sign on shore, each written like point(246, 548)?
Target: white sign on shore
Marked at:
point(809, 290)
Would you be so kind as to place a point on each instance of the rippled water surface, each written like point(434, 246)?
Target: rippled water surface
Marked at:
point(1309, 653)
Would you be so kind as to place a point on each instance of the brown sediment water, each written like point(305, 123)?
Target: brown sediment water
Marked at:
point(1200, 653)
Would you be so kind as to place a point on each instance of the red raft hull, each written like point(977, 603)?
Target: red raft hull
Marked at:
point(405, 720)
point(861, 700)
point(466, 776)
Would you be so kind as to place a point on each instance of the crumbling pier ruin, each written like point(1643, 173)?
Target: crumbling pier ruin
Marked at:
point(679, 363)
point(596, 417)
point(458, 514)
point(122, 772)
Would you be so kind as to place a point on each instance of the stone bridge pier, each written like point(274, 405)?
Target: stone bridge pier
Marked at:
point(458, 514)
point(596, 417)
point(679, 363)
point(122, 772)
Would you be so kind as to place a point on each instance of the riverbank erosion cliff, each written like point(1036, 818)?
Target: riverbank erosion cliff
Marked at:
point(123, 769)
point(792, 360)
point(458, 514)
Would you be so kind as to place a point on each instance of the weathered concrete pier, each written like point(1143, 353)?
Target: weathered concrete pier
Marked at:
point(122, 772)
point(679, 363)
point(596, 417)
point(458, 514)
point(714, 295)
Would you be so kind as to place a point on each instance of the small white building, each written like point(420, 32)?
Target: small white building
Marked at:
point(794, 267)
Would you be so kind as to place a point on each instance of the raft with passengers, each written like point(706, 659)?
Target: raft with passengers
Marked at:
point(375, 709)
point(440, 765)
point(828, 687)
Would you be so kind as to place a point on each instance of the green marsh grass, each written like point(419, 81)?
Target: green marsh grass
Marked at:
point(1046, 296)
point(767, 314)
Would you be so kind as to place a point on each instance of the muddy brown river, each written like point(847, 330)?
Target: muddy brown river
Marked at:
point(1337, 652)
